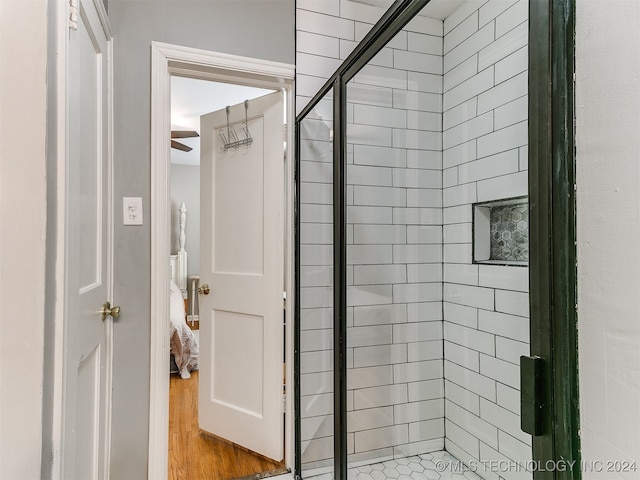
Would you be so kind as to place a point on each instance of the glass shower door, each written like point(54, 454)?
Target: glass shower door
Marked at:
point(395, 385)
point(436, 274)
point(316, 289)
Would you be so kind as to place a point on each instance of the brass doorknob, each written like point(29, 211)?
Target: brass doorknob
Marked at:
point(108, 310)
point(204, 289)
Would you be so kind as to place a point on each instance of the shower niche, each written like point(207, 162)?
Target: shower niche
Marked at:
point(409, 332)
point(501, 232)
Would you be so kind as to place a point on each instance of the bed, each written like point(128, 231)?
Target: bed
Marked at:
point(183, 344)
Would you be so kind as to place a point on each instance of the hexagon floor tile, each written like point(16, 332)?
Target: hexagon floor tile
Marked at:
point(428, 466)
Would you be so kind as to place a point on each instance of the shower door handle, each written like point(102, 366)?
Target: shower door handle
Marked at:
point(533, 408)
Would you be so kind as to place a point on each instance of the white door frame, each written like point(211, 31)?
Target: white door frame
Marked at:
point(59, 119)
point(166, 60)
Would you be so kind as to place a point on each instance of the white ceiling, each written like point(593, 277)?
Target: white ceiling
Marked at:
point(435, 8)
point(191, 98)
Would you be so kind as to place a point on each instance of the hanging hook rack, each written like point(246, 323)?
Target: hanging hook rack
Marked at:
point(230, 139)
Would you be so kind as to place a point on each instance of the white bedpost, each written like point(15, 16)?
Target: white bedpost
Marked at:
point(183, 222)
point(182, 253)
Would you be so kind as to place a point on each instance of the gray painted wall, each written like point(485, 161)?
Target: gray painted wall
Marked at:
point(254, 28)
point(185, 188)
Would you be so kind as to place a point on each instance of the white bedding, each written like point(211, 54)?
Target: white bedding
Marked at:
point(183, 344)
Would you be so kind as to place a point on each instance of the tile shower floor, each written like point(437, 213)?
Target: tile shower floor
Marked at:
point(427, 466)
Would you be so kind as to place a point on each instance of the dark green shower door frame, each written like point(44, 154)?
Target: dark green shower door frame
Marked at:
point(552, 268)
point(552, 206)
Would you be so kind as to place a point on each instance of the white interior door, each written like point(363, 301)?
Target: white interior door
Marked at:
point(242, 261)
point(87, 367)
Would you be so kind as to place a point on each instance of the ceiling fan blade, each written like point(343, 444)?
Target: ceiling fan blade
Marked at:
point(184, 133)
point(180, 146)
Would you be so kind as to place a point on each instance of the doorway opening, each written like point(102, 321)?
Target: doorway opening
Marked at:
point(192, 451)
point(181, 64)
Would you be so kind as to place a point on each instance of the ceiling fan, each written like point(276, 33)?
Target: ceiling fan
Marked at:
point(182, 134)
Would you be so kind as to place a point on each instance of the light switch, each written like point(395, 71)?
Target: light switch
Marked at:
point(132, 210)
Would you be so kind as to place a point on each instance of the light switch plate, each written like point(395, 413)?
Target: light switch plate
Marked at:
point(132, 210)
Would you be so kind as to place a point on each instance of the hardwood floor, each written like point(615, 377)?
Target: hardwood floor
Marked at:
point(194, 455)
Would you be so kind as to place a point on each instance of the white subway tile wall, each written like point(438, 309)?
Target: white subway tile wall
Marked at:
point(436, 121)
point(486, 324)
point(412, 237)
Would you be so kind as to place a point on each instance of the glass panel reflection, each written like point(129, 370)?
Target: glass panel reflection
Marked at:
point(316, 289)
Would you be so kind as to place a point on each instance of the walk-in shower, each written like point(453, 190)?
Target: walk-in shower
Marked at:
point(413, 249)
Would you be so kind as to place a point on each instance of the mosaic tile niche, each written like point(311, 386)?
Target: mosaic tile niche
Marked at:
point(501, 232)
point(509, 225)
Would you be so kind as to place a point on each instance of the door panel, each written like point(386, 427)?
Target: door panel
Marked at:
point(242, 351)
point(88, 407)
point(87, 361)
point(87, 156)
point(242, 260)
point(238, 233)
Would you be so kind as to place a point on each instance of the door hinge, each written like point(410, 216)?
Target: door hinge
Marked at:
point(532, 396)
point(73, 14)
point(284, 402)
point(284, 132)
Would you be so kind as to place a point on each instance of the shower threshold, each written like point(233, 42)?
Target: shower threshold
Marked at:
point(439, 465)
